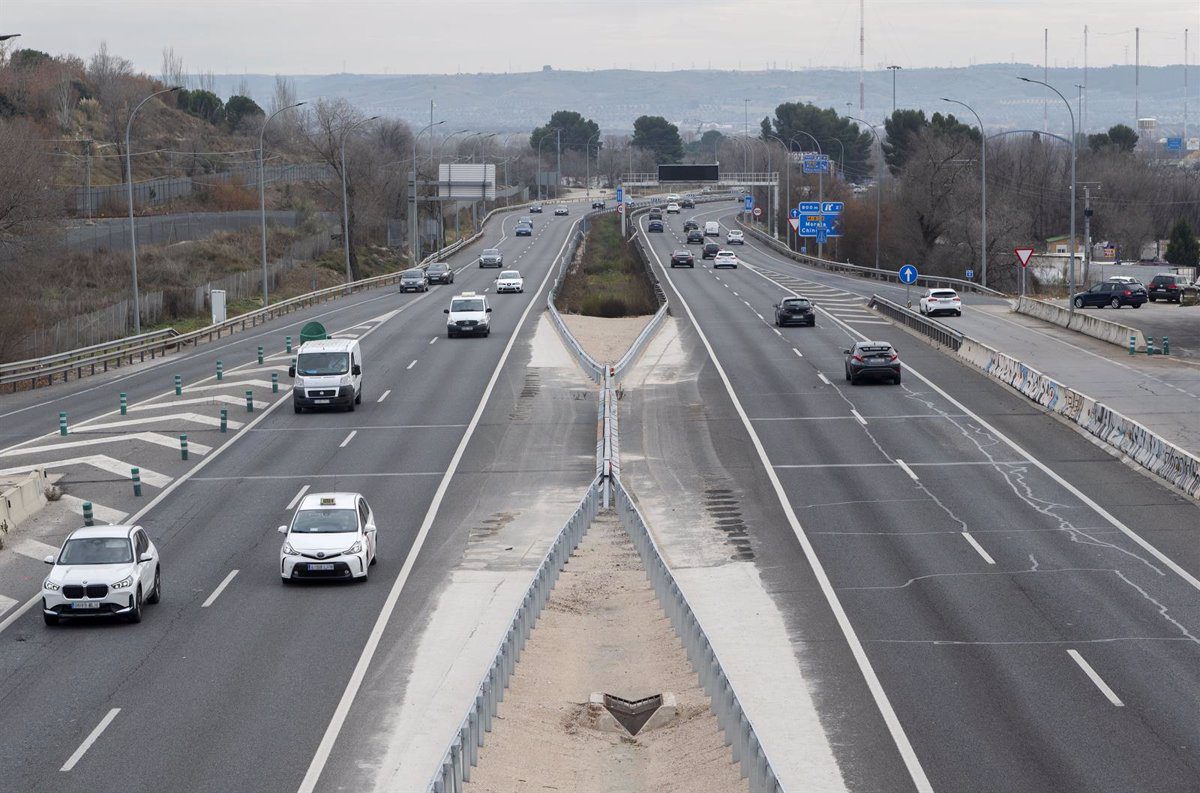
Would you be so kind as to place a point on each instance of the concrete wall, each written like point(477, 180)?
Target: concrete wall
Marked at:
point(20, 500)
point(1084, 321)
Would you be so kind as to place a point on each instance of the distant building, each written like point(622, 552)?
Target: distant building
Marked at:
point(1062, 244)
point(547, 68)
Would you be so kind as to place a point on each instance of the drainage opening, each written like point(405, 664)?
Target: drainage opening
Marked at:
point(632, 714)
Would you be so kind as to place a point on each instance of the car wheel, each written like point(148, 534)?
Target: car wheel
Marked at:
point(297, 408)
point(487, 333)
point(50, 619)
point(156, 593)
point(853, 380)
point(1137, 305)
point(958, 313)
point(135, 615)
point(1115, 302)
point(1078, 302)
point(847, 373)
point(896, 380)
point(358, 397)
point(1153, 298)
point(350, 407)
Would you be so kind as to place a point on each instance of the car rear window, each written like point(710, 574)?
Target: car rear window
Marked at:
point(796, 303)
point(944, 293)
point(874, 349)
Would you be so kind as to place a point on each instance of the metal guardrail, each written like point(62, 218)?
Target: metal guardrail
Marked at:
point(593, 368)
point(463, 752)
point(36, 364)
point(928, 281)
point(740, 733)
point(923, 325)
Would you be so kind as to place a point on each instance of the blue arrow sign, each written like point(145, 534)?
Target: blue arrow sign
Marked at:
point(795, 213)
point(620, 195)
point(749, 202)
point(809, 207)
point(970, 274)
point(822, 236)
point(833, 207)
point(908, 274)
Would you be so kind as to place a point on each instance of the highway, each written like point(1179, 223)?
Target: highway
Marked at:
point(980, 598)
point(235, 681)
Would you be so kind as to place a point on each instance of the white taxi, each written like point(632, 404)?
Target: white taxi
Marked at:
point(468, 314)
point(510, 281)
point(331, 536)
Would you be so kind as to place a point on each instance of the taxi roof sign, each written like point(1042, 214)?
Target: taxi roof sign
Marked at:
point(328, 501)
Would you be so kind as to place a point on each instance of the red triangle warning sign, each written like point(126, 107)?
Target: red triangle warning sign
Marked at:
point(1023, 255)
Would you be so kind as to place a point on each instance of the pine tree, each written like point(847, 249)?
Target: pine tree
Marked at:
point(1183, 250)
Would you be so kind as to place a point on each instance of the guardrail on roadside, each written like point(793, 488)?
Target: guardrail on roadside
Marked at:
point(22, 368)
point(740, 732)
point(463, 751)
point(928, 281)
point(924, 325)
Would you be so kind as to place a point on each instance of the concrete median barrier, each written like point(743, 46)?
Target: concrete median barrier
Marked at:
point(1087, 324)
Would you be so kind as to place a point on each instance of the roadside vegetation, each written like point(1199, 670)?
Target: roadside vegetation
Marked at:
point(608, 277)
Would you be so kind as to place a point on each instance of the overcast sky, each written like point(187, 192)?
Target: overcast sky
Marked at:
point(447, 36)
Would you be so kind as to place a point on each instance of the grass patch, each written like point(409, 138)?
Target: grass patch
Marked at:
point(608, 277)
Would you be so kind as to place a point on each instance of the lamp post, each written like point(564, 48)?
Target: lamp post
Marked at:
point(262, 193)
point(346, 197)
point(841, 156)
point(893, 70)
point(137, 308)
point(982, 190)
point(414, 241)
point(587, 164)
point(787, 176)
point(1071, 268)
point(542, 140)
point(820, 186)
point(878, 188)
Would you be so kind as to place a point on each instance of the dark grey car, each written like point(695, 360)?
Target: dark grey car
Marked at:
point(493, 257)
point(795, 311)
point(439, 273)
point(872, 360)
point(414, 280)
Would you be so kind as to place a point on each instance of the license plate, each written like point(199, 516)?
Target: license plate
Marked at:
point(85, 605)
point(321, 401)
point(315, 567)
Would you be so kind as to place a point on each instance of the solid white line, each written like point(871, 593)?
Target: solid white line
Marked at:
point(907, 470)
point(777, 333)
point(823, 378)
point(296, 499)
point(798, 353)
point(434, 339)
point(383, 396)
point(987, 557)
point(858, 417)
point(411, 365)
point(1095, 678)
point(349, 438)
point(220, 588)
point(91, 739)
point(899, 737)
point(321, 755)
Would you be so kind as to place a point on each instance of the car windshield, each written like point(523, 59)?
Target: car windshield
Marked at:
point(97, 550)
point(493, 251)
point(510, 274)
point(313, 364)
point(438, 268)
point(412, 274)
point(467, 304)
point(325, 521)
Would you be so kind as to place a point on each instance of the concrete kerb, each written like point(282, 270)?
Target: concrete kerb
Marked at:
point(1097, 328)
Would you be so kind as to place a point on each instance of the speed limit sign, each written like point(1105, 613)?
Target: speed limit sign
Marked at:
point(758, 212)
point(621, 208)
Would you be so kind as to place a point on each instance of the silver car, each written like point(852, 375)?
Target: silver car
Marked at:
point(492, 257)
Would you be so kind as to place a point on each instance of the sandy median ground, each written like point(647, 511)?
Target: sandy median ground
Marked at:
point(603, 630)
point(606, 339)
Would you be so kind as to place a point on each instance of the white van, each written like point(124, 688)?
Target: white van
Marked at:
point(712, 229)
point(328, 373)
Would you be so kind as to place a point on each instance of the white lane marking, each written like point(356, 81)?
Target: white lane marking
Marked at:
point(823, 378)
point(91, 739)
point(904, 466)
point(195, 418)
point(858, 417)
point(6, 603)
point(216, 593)
point(239, 401)
point(336, 722)
point(486, 288)
point(798, 353)
point(433, 340)
point(735, 294)
point(1096, 679)
point(156, 438)
point(899, 737)
point(777, 333)
point(100, 512)
point(383, 396)
point(411, 365)
point(296, 498)
point(31, 548)
point(101, 461)
point(987, 557)
point(347, 440)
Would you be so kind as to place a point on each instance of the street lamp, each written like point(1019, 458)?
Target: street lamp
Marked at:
point(1071, 269)
point(542, 140)
point(414, 242)
point(893, 70)
point(137, 309)
point(787, 176)
point(982, 190)
point(262, 193)
point(345, 195)
point(878, 188)
point(820, 186)
point(587, 163)
point(8, 36)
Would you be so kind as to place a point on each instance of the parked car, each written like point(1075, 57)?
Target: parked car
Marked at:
point(876, 360)
point(938, 301)
point(655, 225)
point(797, 310)
point(1167, 286)
point(711, 249)
point(1111, 293)
point(682, 258)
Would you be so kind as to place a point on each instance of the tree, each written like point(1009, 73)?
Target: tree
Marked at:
point(238, 108)
point(658, 136)
point(1123, 137)
point(284, 94)
point(202, 104)
point(172, 69)
point(1183, 250)
point(574, 129)
point(904, 127)
point(795, 121)
point(765, 128)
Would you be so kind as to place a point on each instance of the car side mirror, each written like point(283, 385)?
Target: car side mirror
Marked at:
point(845, 352)
point(146, 557)
point(445, 311)
point(371, 527)
point(291, 371)
point(49, 559)
point(283, 529)
point(775, 305)
point(488, 309)
point(356, 370)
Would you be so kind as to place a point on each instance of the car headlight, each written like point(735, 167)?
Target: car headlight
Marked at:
point(289, 550)
point(50, 585)
point(355, 548)
point(124, 583)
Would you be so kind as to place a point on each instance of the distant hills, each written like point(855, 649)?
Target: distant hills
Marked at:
point(699, 99)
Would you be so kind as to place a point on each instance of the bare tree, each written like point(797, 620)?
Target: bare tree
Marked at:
point(172, 69)
point(284, 94)
point(326, 124)
point(25, 195)
point(208, 81)
point(65, 100)
point(243, 87)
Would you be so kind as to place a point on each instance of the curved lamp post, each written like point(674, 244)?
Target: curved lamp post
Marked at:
point(878, 187)
point(982, 190)
point(345, 195)
point(262, 193)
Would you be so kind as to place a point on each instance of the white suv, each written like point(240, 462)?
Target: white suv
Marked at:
point(468, 314)
point(735, 237)
point(937, 301)
point(672, 208)
point(102, 570)
point(332, 535)
point(725, 259)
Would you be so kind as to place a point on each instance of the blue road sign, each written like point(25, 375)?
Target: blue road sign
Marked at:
point(812, 225)
point(795, 213)
point(908, 274)
point(749, 203)
point(1174, 144)
point(833, 207)
point(970, 274)
point(620, 195)
point(815, 165)
point(809, 207)
point(822, 236)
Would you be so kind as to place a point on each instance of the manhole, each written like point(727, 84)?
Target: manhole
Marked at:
point(631, 716)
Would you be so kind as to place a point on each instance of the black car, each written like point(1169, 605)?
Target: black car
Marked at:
point(655, 225)
point(656, 214)
point(695, 237)
point(872, 360)
point(597, 205)
point(687, 203)
point(682, 259)
point(797, 310)
point(1167, 286)
point(711, 249)
point(1112, 293)
point(536, 209)
point(561, 211)
point(690, 224)
point(439, 273)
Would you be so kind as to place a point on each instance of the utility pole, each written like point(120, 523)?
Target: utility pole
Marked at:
point(1185, 88)
point(893, 70)
point(557, 161)
point(1083, 127)
point(1046, 77)
point(862, 49)
point(1087, 233)
point(88, 177)
point(746, 135)
point(1137, 75)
